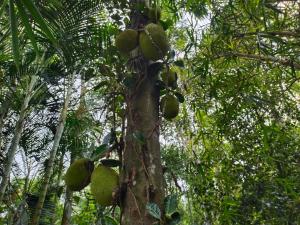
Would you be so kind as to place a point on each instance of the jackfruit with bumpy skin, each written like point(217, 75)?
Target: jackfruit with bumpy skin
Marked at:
point(169, 77)
point(127, 40)
point(104, 182)
point(154, 42)
point(78, 175)
point(169, 106)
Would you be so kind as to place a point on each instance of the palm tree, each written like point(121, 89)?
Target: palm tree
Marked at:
point(29, 93)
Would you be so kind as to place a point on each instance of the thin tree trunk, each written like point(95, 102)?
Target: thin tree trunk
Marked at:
point(4, 109)
point(60, 169)
point(17, 135)
point(66, 218)
point(142, 176)
point(67, 213)
point(49, 168)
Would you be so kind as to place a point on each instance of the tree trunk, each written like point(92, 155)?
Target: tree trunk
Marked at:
point(66, 218)
point(3, 113)
point(4, 110)
point(17, 135)
point(49, 169)
point(142, 176)
point(57, 194)
point(142, 169)
point(67, 213)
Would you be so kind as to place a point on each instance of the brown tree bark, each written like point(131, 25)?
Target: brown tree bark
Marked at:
point(142, 176)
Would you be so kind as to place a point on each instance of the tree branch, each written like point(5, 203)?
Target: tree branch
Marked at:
point(272, 33)
point(283, 61)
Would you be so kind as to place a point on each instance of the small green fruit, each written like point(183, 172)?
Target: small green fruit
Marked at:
point(78, 175)
point(169, 77)
point(127, 40)
point(153, 42)
point(169, 106)
point(104, 182)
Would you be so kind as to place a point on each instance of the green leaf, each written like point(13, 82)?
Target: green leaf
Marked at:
point(14, 33)
point(111, 162)
point(39, 19)
point(153, 210)
point(171, 204)
point(179, 63)
point(129, 82)
point(139, 136)
point(179, 97)
point(76, 199)
point(101, 149)
point(166, 24)
point(163, 92)
point(175, 219)
point(101, 84)
point(2, 7)
point(160, 84)
point(110, 221)
point(28, 29)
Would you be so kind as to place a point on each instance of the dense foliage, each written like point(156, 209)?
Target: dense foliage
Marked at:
point(231, 156)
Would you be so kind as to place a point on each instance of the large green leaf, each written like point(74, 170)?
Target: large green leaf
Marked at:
point(171, 204)
point(14, 33)
point(35, 13)
point(153, 210)
point(2, 7)
point(110, 221)
point(25, 21)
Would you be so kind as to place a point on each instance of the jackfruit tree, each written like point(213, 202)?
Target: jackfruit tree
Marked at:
point(138, 112)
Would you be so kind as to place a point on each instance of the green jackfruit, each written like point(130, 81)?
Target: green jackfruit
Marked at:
point(154, 42)
point(169, 106)
point(78, 175)
point(127, 40)
point(169, 77)
point(104, 182)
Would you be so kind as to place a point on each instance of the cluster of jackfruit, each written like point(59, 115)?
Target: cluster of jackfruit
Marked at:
point(154, 45)
point(169, 104)
point(104, 181)
point(152, 40)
